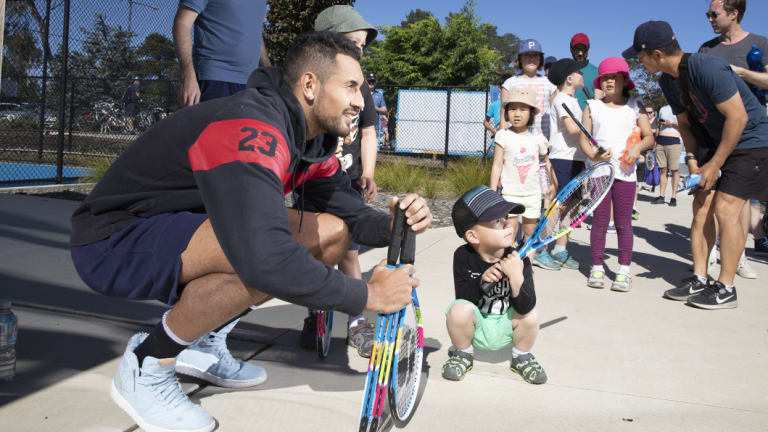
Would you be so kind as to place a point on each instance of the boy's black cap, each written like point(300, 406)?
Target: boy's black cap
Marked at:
point(481, 203)
point(650, 35)
point(560, 70)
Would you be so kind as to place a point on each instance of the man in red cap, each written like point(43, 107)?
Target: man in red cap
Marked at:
point(579, 51)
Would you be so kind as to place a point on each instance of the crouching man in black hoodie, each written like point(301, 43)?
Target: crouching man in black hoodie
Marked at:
point(193, 214)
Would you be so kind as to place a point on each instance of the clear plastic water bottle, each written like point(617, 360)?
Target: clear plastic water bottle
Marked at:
point(8, 329)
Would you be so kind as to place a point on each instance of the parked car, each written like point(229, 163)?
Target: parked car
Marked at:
point(12, 111)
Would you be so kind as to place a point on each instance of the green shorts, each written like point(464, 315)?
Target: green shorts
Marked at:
point(492, 331)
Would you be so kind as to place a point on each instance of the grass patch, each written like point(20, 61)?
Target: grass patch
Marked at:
point(99, 167)
point(467, 173)
point(460, 176)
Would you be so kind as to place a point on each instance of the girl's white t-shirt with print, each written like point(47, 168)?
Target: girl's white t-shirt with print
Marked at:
point(611, 128)
point(541, 87)
point(520, 171)
point(564, 146)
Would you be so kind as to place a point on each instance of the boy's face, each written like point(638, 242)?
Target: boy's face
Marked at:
point(651, 63)
point(492, 235)
point(576, 79)
point(358, 37)
point(518, 114)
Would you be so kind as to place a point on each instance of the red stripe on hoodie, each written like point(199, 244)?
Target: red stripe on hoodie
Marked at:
point(245, 140)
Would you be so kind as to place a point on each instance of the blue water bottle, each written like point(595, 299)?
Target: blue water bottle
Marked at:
point(8, 329)
point(755, 63)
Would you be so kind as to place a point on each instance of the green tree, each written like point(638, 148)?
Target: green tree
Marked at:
point(22, 55)
point(287, 18)
point(102, 71)
point(157, 64)
point(415, 15)
point(506, 45)
point(646, 85)
point(426, 52)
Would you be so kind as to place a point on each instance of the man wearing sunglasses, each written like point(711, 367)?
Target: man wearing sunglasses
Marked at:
point(732, 45)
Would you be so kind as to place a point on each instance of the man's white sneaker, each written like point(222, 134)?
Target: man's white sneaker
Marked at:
point(209, 359)
point(745, 270)
point(153, 397)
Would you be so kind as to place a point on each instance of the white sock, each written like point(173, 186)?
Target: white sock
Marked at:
point(517, 352)
point(170, 332)
point(611, 224)
point(469, 350)
point(355, 321)
point(701, 278)
point(598, 268)
point(624, 270)
point(557, 249)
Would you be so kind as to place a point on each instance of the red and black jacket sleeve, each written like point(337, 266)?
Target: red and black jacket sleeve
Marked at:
point(329, 190)
point(240, 166)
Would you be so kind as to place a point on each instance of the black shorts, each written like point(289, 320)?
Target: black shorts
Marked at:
point(566, 170)
point(142, 261)
point(131, 109)
point(745, 174)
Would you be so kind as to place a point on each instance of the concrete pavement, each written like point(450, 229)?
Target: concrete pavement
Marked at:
point(616, 361)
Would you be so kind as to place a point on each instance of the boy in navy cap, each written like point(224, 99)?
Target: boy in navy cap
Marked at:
point(725, 130)
point(487, 318)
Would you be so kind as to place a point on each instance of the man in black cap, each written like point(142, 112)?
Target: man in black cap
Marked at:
point(724, 129)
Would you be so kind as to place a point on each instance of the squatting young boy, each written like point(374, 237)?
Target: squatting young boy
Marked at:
point(487, 319)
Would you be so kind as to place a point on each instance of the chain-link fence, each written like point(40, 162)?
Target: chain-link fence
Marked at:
point(81, 78)
point(432, 124)
point(66, 101)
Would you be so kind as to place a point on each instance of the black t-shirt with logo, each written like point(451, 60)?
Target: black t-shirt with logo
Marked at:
point(468, 268)
point(349, 146)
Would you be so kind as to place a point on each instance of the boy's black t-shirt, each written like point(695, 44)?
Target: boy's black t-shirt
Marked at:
point(468, 268)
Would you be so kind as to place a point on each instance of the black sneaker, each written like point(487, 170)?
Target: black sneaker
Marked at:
point(307, 340)
point(457, 365)
point(716, 296)
point(688, 287)
point(761, 246)
point(673, 202)
point(529, 368)
point(658, 200)
point(361, 337)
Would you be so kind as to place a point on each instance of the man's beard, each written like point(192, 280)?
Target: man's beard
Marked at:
point(334, 125)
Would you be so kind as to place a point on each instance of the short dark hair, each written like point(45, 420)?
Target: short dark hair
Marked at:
point(671, 49)
point(739, 6)
point(520, 65)
point(530, 117)
point(316, 52)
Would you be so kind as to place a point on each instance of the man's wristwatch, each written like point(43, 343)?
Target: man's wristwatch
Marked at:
point(689, 158)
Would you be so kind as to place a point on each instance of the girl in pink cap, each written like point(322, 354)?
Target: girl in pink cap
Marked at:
point(620, 125)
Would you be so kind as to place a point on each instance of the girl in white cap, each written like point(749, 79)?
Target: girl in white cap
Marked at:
point(516, 157)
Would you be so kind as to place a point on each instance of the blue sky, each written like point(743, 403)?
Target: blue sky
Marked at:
point(610, 25)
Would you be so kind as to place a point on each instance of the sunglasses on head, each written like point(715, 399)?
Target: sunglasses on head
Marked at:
point(713, 14)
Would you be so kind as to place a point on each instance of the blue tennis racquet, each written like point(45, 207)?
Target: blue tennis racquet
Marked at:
point(570, 207)
point(396, 361)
